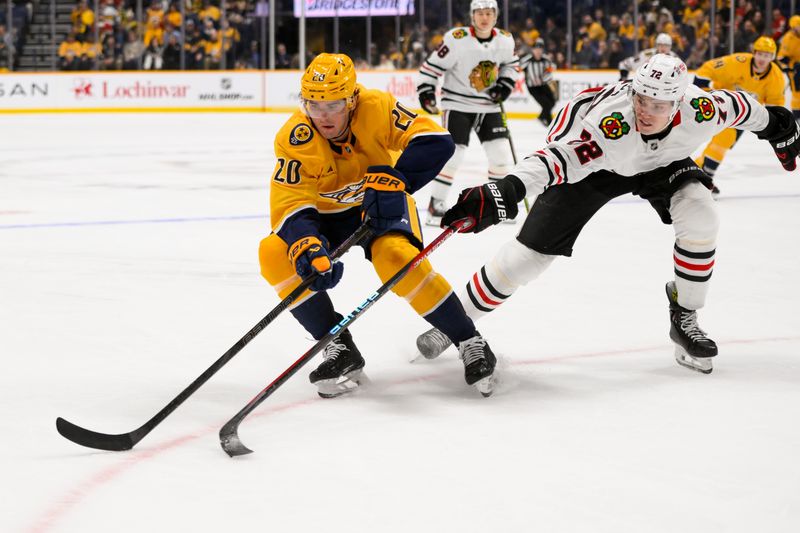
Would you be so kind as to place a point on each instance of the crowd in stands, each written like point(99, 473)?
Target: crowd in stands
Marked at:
point(115, 40)
point(228, 38)
point(12, 32)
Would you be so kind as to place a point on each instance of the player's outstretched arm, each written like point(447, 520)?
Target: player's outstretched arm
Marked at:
point(783, 134)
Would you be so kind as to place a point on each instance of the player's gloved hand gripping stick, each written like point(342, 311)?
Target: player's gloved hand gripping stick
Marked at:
point(126, 441)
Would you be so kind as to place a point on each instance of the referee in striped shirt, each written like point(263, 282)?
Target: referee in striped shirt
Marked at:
point(539, 79)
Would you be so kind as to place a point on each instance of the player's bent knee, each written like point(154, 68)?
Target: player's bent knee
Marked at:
point(694, 216)
point(455, 161)
point(498, 152)
point(516, 264)
point(423, 288)
point(275, 265)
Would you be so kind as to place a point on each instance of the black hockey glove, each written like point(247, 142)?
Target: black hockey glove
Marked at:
point(783, 134)
point(309, 256)
point(384, 201)
point(623, 74)
point(427, 99)
point(501, 90)
point(487, 205)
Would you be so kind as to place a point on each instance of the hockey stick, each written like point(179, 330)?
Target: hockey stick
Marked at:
point(511, 145)
point(126, 441)
point(229, 434)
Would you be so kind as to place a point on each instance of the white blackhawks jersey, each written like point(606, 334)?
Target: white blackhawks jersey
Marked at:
point(596, 131)
point(469, 67)
point(632, 63)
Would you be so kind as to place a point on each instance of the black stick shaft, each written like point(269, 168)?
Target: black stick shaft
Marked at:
point(511, 145)
point(126, 441)
point(229, 434)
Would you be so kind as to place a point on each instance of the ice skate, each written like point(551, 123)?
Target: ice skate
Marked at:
point(479, 363)
point(432, 343)
point(436, 210)
point(693, 348)
point(342, 369)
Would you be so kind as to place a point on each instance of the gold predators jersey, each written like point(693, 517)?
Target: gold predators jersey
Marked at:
point(735, 72)
point(789, 51)
point(312, 172)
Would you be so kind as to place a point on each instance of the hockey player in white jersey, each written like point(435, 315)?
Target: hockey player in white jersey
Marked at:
point(479, 69)
point(631, 64)
point(631, 137)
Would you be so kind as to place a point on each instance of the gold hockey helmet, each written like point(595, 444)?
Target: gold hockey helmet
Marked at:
point(330, 77)
point(765, 44)
point(794, 21)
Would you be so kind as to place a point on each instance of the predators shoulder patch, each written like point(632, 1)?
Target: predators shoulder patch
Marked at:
point(613, 127)
point(705, 109)
point(300, 134)
point(460, 33)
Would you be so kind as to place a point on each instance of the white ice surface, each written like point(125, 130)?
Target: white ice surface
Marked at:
point(128, 264)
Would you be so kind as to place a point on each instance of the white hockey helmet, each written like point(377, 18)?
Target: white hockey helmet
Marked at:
point(663, 77)
point(474, 5)
point(665, 39)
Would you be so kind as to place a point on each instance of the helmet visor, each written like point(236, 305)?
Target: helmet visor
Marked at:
point(321, 109)
point(651, 106)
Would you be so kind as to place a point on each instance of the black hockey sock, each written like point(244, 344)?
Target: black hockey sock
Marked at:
point(451, 319)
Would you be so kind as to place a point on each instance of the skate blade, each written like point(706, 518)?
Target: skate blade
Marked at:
point(331, 388)
point(485, 386)
point(703, 365)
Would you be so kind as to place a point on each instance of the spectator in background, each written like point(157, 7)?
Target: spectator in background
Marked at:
point(6, 45)
point(132, 52)
point(111, 57)
point(152, 59)
point(210, 11)
point(778, 24)
point(615, 53)
point(194, 47)
point(90, 51)
point(699, 54)
point(154, 25)
point(745, 37)
point(384, 63)
point(529, 34)
point(173, 16)
point(282, 58)
point(585, 56)
point(82, 19)
point(253, 57)
point(69, 53)
point(171, 55)
point(230, 42)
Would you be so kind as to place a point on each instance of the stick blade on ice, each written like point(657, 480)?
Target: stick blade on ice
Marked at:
point(93, 439)
point(230, 442)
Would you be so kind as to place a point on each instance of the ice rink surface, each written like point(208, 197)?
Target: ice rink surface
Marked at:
point(128, 264)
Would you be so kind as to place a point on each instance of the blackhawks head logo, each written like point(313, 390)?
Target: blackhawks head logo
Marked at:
point(613, 127)
point(483, 76)
point(705, 109)
point(460, 33)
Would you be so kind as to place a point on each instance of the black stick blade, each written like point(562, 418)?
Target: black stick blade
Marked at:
point(230, 442)
point(92, 439)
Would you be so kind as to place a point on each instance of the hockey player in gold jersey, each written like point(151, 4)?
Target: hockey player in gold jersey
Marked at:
point(789, 59)
point(352, 154)
point(753, 73)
